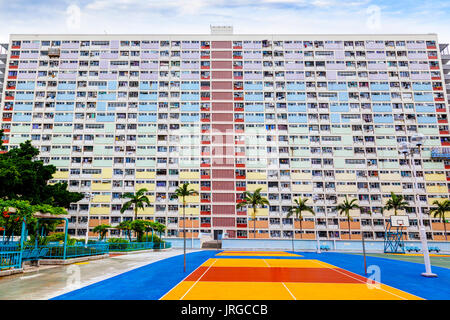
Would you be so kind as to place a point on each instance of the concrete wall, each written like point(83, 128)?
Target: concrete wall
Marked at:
point(178, 242)
point(338, 245)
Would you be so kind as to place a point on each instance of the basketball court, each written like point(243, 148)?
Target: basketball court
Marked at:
point(269, 275)
point(278, 275)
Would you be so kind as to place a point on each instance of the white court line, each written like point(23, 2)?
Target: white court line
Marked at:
point(198, 279)
point(266, 263)
point(289, 291)
point(335, 269)
point(183, 279)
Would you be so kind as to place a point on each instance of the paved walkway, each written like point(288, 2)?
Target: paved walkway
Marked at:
point(50, 282)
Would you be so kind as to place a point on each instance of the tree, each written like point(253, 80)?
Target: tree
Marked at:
point(102, 230)
point(140, 227)
point(253, 200)
point(14, 212)
point(344, 209)
point(181, 193)
point(137, 200)
point(160, 228)
point(299, 207)
point(439, 212)
point(396, 202)
point(125, 226)
point(25, 178)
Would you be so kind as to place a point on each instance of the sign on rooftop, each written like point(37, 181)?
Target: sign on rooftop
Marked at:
point(221, 29)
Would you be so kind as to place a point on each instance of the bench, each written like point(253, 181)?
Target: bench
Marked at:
point(35, 254)
point(325, 248)
point(409, 249)
point(436, 249)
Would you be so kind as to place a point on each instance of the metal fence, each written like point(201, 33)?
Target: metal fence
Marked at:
point(135, 246)
point(57, 251)
point(10, 259)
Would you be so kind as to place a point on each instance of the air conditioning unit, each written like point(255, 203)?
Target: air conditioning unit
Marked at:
point(53, 52)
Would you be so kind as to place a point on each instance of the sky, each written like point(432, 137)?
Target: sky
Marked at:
point(246, 16)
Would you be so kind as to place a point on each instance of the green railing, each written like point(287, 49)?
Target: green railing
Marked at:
point(9, 247)
point(10, 259)
point(135, 246)
point(57, 251)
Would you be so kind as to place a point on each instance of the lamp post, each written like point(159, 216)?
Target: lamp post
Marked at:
point(86, 239)
point(407, 149)
point(317, 237)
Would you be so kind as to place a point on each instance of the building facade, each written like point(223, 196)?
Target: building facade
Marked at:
point(311, 116)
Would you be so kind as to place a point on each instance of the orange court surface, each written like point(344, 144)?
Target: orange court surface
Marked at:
point(277, 275)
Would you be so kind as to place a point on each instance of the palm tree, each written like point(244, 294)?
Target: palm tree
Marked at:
point(137, 201)
point(439, 211)
point(181, 193)
point(396, 202)
point(160, 228)
point(344, 209)
point(102, 230)
point(253, 200)
point(125, 225)
point(300, 206)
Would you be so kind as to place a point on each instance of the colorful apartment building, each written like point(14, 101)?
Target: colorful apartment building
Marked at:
point(311, 116)
point(3, 57)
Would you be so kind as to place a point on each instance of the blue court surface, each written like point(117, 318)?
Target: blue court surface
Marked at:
point(153, 281)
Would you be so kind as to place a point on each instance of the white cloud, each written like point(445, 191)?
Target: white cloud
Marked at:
point(73, 17)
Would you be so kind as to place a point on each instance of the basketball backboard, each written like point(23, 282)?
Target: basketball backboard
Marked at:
point(399, 221)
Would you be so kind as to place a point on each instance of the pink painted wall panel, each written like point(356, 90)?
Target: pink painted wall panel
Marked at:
point(222, 95)
point(223, 162)
point(223, 150)
point(223, 197)
point(222, 117)
point(223, 222)
point(221, 65)
point(222, 74)
point(222, 106)
point(221, 44)
point(221, 54)
point(222, 85)
point(223, 174)
point(223, 185)
point(222, 138)
point(222, 127)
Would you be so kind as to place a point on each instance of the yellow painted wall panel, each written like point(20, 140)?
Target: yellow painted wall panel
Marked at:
point(301, 176)
point(256, 175)
point(346, 188)
point(345, 176)
point(436, 189)
point(101, 186)
point(106, 173)
point(302, 187)
point(260, 212)
point(435, 177)
point(389, 189)
point(390, 176)
point(189, 211)
point(146, 211)
point(253, 187)
point(189, 175)
point(146, 175)
point(148, 186)
point(190, 199)
point(101, 198)
point(100, 210)
point(61, 175)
